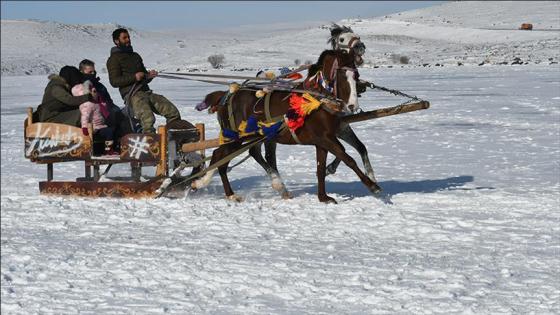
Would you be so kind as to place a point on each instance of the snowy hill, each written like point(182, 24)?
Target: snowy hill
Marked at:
point(465, 32)
point(544, 15)
point(52, 45)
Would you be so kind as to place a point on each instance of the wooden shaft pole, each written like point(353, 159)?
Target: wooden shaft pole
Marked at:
point(195, 146)
point(388, 111)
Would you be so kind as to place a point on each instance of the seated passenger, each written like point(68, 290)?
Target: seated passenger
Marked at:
point(94, 113)
point(114, 115)
point(58, 104)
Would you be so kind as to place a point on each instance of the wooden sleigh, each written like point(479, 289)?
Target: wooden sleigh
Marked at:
point(52, 143)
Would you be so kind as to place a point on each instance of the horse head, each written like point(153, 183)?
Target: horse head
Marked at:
point(336, 74)
point(343, 38)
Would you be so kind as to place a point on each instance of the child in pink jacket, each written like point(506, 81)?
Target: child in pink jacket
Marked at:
point(92, 112)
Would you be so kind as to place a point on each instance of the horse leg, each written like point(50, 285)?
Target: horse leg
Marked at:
point(270, 154)
point(347, 134)
point(335, 147)
point(205, 180)
point(331, 168)
point(222, 170)
point(342, 134)
point(277, 183)
point(224, 151)
point(321, 155)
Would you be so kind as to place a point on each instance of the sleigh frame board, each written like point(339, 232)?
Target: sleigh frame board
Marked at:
point(54, 144)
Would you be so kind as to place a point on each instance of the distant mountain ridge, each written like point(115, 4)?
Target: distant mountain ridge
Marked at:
point(449, 34)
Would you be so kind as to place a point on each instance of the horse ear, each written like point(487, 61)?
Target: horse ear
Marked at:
point(336, 30)
point(335, 33)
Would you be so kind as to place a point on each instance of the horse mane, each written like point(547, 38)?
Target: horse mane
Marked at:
point(336, 30)
point(318, 65)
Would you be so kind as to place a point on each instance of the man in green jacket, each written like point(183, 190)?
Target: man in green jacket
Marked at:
point(59, 105)
point(127, 72)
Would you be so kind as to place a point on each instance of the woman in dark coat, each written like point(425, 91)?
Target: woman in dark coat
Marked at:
point(59, 105)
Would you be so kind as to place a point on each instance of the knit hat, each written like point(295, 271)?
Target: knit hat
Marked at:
point(71, 75)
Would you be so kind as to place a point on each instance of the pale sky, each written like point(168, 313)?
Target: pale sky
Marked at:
point(162, 15)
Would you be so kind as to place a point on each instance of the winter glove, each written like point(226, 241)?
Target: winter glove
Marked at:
point(85, 131)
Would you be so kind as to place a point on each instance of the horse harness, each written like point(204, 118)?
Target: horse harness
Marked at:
point(329, 83)
point(350, 43)
point(228, 98)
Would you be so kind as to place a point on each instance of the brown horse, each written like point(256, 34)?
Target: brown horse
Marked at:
point(320, 127)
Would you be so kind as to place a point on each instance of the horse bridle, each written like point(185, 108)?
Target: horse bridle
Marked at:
point(350, 42)
point(354, 44)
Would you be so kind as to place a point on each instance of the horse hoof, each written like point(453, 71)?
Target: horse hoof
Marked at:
point(330, 171)
point(287, 195)
point(375, 189)
point(277, 184)
point(235, 198)
point(327, 199)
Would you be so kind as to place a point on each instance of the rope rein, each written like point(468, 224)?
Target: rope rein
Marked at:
point(411, 98)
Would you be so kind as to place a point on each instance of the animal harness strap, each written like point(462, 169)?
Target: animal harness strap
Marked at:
point(267, 114)
point(267, 106)
point(231, 119)
point(333, 78)
point(352, 40)
point(293, 133)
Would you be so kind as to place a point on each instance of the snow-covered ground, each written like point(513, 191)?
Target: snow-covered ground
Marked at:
point(468, 225)
point(467, 32)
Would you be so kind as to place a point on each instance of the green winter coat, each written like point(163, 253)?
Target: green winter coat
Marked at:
point(58, 105)
point(122, 67)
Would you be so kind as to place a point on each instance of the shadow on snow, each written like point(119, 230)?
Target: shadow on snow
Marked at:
point(356, 189)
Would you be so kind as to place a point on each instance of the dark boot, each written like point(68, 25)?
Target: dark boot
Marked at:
point(180, 124)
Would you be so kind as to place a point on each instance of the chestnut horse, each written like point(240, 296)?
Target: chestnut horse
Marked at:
point(320, 127)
